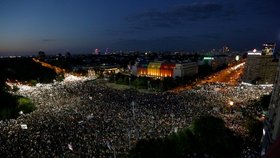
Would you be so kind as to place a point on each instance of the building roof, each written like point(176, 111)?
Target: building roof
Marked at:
point(143, 65)
point(154, 65)
point(168, 66)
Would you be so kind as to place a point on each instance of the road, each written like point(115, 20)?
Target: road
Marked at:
point(230, 76)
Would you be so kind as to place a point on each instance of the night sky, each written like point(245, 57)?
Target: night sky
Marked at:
point(80, 26)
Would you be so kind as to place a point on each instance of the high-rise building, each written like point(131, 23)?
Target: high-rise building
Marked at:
point(185, 69)
point(41, 55)
point(96, 51)
point(271, 131)
point(107, 51)
point(260, 68)
point(268, 48)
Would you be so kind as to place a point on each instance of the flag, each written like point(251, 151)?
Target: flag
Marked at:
point(70, 147)
point(108, 145)
point(23, 126)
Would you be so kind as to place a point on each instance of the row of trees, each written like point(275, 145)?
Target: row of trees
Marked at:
point(164, 84)
point(11, 105)
point(24, 70)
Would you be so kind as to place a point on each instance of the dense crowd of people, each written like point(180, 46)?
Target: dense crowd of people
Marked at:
point(84, 119)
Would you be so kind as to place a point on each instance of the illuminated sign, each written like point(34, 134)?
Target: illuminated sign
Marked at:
point(208, 58)
point(254, 52)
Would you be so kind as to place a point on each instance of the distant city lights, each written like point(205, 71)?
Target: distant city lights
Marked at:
point(208, 58)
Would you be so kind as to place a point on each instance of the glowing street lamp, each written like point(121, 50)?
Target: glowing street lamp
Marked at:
point(172, 121)
point(20, 113)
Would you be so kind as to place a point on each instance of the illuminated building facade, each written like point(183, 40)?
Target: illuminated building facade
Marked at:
point(259, 68)
point(161, 69)
point(166, 69)
point(268, 48)
point(142, 69)
point(185, 69)
point(154, 69)
point(214, 61)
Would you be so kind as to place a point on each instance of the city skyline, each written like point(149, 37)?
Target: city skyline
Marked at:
point(82, 26)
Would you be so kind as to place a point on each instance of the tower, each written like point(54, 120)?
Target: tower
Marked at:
point(96, 51)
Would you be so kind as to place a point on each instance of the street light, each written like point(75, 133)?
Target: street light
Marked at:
point(129, 136)
point(129, 79)
point(172, 120)
point(114, 150)
point(111, 147)
point(133, 110)
point(153, 123)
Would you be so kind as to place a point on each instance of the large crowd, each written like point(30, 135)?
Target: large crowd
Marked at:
point(84, 119)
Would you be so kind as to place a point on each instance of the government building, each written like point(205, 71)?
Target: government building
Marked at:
point(159, 69)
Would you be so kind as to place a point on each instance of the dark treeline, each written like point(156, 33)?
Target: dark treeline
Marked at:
point(206, 137)
point(154, 84)
point(23, 70)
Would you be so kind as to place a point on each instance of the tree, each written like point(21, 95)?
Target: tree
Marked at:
point(207, 135)
point(255, 128)
point(147, 148)
point(184, 142)
point(3, 86)
point(25, 105)
point(168, 83)
point(212, 136)
point(140, 83)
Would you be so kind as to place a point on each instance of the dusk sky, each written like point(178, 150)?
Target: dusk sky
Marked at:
point(80, 26)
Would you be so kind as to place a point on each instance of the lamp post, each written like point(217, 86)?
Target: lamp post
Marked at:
point(133, 109)
point(114, 150)
point(172, 121)
point(129, 80)
point(129, 136)
point(153, 121)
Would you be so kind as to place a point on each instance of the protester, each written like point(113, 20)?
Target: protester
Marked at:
point(89, 120)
